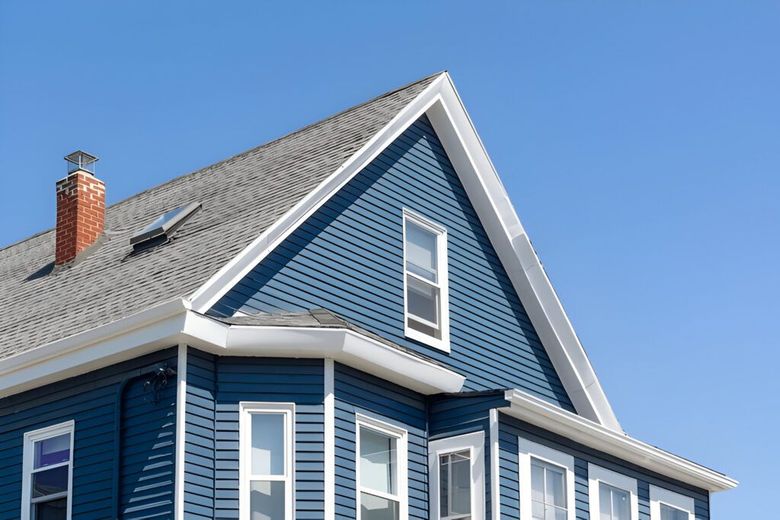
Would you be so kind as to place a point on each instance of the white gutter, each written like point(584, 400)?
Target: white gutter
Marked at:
point(545, 415)
point(173, 323)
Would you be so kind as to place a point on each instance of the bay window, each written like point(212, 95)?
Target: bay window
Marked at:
point(266, 461)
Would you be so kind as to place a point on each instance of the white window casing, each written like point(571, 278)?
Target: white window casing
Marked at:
point(31, 439)
point(660, 497)
point(598, 475)
point(400, 494)
point(474, 444)
point(530, 451)
point(271, 478)
point(431, 330)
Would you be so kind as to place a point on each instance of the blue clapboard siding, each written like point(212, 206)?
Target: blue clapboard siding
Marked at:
point(148, 454)
point(200, 432)
point(358, 392)
point(510, 429)
point(348, 257)
point(452, 415)
point(92, 400)
point(216, 385)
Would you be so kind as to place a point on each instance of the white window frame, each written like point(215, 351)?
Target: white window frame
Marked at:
point(596, 475)
point(474, 443)
point(30, 438)
point(660, 496)
point(246, 409)
point(442, 284)
point(532, 450)
point(402, 461)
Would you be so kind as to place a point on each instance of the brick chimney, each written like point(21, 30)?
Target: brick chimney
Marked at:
point(81, 207)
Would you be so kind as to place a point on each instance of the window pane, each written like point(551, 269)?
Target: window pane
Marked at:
point(52, 510)
point(422, 300)
point(50, 481)
point(52, 451)
point(421, 251)
point(621, 507)
point(377, 461)
point(672, 513)
point(376, 508)
point(537, 510)
point(537, 483)
point(460, 466)
point(556, 487)
point(266, 500)
point(605, 502)
point(267, 444)
point(444, 485)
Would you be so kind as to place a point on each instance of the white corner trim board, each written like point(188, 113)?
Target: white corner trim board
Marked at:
point(181, 423)
point(441, 103)
point(329, 448)
point(495, 467)
point(589, 433)
point(173, 323)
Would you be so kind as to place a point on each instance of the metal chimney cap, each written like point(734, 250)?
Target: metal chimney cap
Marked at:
point(81, 160)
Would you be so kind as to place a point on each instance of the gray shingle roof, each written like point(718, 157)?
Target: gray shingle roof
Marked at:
point(241, 197)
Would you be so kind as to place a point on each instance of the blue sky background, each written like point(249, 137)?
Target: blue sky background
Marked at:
point(639, 141)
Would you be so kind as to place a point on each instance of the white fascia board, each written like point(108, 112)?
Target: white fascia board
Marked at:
point(149, 330)
point(589, 433)
point(173, 323)
point(441, 103)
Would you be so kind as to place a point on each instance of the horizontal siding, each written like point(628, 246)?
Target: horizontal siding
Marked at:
point(215, 405)
point(348, 257)
point(358, 392)
point(91, 401)
point(510, 429)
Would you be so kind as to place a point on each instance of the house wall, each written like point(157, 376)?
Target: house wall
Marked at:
point(358, 392)
point(97, 402)
point(510, 429)
point(215, 386)
point(348, 258)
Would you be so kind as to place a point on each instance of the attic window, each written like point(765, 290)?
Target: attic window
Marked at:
point(164, 226)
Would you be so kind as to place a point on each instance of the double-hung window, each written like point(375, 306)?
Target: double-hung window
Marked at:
point(266, 461)
point(668, 505)
point(457, 477)
point(546, 482)
point(47, 467)
point(381, 470)
point(425, 281)
point(612, 496)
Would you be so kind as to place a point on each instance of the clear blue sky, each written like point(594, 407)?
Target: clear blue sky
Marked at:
point(640, 142)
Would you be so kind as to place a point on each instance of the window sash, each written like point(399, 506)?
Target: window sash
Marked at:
point(31, 441)
point(400, 455)
point(246, 412)
point(447, 514)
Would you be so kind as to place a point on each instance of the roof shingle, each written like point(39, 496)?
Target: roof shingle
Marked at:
point(241, 196)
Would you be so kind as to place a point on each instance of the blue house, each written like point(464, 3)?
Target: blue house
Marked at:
point(349, 322)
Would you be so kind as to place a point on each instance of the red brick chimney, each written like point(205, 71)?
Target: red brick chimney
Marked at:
point(81, 207)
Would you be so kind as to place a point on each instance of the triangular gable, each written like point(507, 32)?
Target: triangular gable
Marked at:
point(443, 107)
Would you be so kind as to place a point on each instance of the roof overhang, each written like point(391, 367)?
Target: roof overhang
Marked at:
point(174, 322)
point(545, 415)
point(444, 108)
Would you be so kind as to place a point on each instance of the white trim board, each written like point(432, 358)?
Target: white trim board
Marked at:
point(441, 103)
point(578, 429)
point(329, 448)
point(173, 323)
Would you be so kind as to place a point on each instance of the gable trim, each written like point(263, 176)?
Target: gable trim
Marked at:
point(443, 107)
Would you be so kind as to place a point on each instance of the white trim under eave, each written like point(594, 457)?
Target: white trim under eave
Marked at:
point(583, 431)
point(441, 103)
point(173, 324)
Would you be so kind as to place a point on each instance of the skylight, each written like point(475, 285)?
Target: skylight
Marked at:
point(163, 226)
